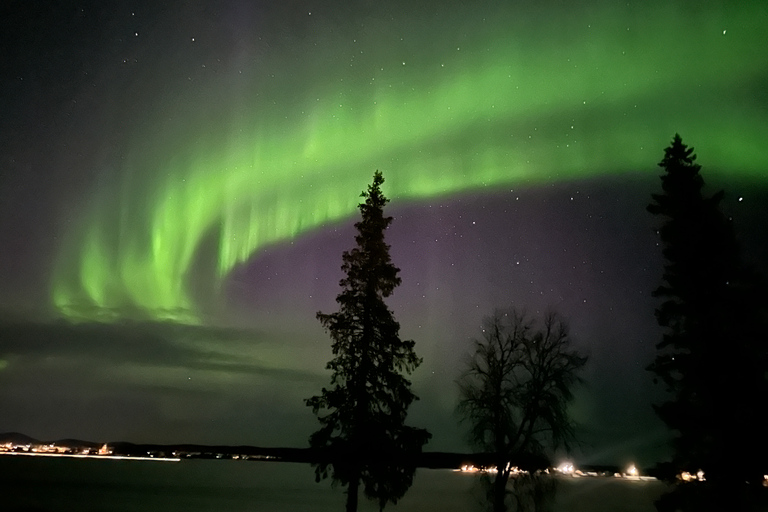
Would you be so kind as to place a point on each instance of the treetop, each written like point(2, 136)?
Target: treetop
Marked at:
point(678, 154)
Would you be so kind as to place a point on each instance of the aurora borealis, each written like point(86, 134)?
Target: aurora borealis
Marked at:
point(195, 166)
point(498, 112)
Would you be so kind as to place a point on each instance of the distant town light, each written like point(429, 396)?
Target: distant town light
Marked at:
point(689, 477)
point(469, 468)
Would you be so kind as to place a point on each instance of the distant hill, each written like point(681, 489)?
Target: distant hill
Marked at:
point(23, 439)
point(17, 438)
point(306, 455)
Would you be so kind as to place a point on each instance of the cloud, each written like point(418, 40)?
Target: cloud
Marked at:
point(146, 344)
point(152, 381)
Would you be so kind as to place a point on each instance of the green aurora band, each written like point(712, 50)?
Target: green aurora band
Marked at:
point(525, 102)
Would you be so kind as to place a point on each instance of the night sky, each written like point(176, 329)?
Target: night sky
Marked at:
point(178, 181)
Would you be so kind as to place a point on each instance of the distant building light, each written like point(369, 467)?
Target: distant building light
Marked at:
point(690, 477)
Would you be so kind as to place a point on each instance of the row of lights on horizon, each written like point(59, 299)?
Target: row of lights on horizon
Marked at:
point(566, 468)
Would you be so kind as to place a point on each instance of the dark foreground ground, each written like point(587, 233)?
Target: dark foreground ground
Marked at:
point(43, 484)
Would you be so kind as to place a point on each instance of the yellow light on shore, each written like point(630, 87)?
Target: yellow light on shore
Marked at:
point(690, 477)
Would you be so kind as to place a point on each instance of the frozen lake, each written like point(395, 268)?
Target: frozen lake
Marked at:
point(44, 484)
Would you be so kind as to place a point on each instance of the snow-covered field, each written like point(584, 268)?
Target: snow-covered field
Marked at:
point(63, 485)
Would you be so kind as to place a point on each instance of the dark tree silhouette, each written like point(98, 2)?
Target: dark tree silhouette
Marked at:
point(363, 435)
point(516, 391)
point(712, 357)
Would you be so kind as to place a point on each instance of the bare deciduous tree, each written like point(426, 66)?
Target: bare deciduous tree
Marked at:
point(516, 391)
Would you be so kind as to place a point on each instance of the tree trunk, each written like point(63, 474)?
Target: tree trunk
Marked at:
point(500, 492)
point(352, 491)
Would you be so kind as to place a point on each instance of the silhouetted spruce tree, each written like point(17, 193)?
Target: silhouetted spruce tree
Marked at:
point(515, 395)
point(712, 357)
point(363, 436)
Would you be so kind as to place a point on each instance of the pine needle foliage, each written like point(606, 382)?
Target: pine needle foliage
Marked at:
point(362, 414)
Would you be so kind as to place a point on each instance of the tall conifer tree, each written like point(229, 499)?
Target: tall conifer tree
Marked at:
point(363, 436)
point(712, 354)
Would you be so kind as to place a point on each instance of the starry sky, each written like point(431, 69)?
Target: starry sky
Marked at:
point(178, 181)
